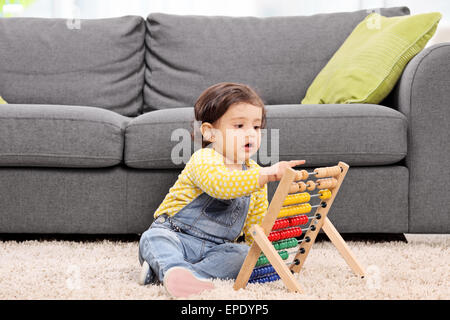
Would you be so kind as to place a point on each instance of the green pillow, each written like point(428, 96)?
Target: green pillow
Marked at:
point(370, 61)
point(2, 101)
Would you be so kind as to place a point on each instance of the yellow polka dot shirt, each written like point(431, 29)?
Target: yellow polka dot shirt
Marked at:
point(206, 172)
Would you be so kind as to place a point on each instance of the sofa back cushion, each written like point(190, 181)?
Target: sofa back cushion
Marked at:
point(278, 56)
point(96, 62)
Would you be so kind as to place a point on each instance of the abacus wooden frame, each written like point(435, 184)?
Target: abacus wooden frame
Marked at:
point(262, 243)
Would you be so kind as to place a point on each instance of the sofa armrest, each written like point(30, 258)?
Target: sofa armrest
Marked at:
point(423, 96)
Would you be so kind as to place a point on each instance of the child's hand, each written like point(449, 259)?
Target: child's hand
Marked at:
point(275, 172)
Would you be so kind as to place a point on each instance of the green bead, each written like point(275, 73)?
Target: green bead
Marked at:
point(292, 243)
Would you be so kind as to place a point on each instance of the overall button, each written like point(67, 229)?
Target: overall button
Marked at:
point(161, 219)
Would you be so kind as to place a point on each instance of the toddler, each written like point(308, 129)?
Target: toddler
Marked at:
point(218, 196)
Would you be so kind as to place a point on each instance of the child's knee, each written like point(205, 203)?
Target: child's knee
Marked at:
point(241, 249)
point(237, 252)
point(144, 238)
point(155, 236)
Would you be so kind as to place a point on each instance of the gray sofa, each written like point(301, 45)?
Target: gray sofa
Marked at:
point(85, 141)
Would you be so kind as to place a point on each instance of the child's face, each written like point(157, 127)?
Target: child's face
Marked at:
point(238, 132)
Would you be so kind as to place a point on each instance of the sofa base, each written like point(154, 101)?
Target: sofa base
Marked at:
point(122, 200)
point(20, 237)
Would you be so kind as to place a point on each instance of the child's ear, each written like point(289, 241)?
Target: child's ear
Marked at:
point(207, 131)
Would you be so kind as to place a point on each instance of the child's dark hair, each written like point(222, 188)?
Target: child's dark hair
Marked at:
point(215, 101)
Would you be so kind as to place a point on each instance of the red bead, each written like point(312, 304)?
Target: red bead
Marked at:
point(276, 236)
point(290, 222)
point(293, 233)
point(304, 219)
point(276, 225)
point(289, 234)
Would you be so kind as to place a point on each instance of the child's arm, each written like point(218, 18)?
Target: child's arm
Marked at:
point(213, 177)
point(275, 172)
point(210, 174)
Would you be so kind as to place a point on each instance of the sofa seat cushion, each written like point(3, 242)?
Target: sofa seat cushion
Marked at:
point(60, 136)
point(358, 134)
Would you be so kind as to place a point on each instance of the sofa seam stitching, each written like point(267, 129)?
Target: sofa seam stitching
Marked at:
point(54, 155)
point(78, 120)
point(277, 118)
point(309, 154)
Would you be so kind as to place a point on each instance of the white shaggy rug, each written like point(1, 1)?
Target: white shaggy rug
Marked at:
point(419, 269)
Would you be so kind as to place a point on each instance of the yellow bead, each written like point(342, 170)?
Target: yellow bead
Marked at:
point(325, 194)
point(297, 198)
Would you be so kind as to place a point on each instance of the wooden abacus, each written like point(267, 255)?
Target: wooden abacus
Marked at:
point(276, 232)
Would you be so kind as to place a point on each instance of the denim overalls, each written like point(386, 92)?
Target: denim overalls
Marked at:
point(199, 237)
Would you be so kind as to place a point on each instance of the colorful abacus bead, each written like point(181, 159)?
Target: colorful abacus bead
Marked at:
point(298, 220)
point(280, 224)
point(326, 183)
point(262, 260)
point(261, 271)
point(274, 236)
point(276, 277)
point(294, 210)
point(276, 225)
point(285, 244)
point(327, 172)
point(293, 243)
point(325, 194)
point(284, 254)
point(297, 198)
point(273, 277)
point(291, 233)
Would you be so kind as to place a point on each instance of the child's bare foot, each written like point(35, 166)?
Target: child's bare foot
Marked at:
point(181, 282)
